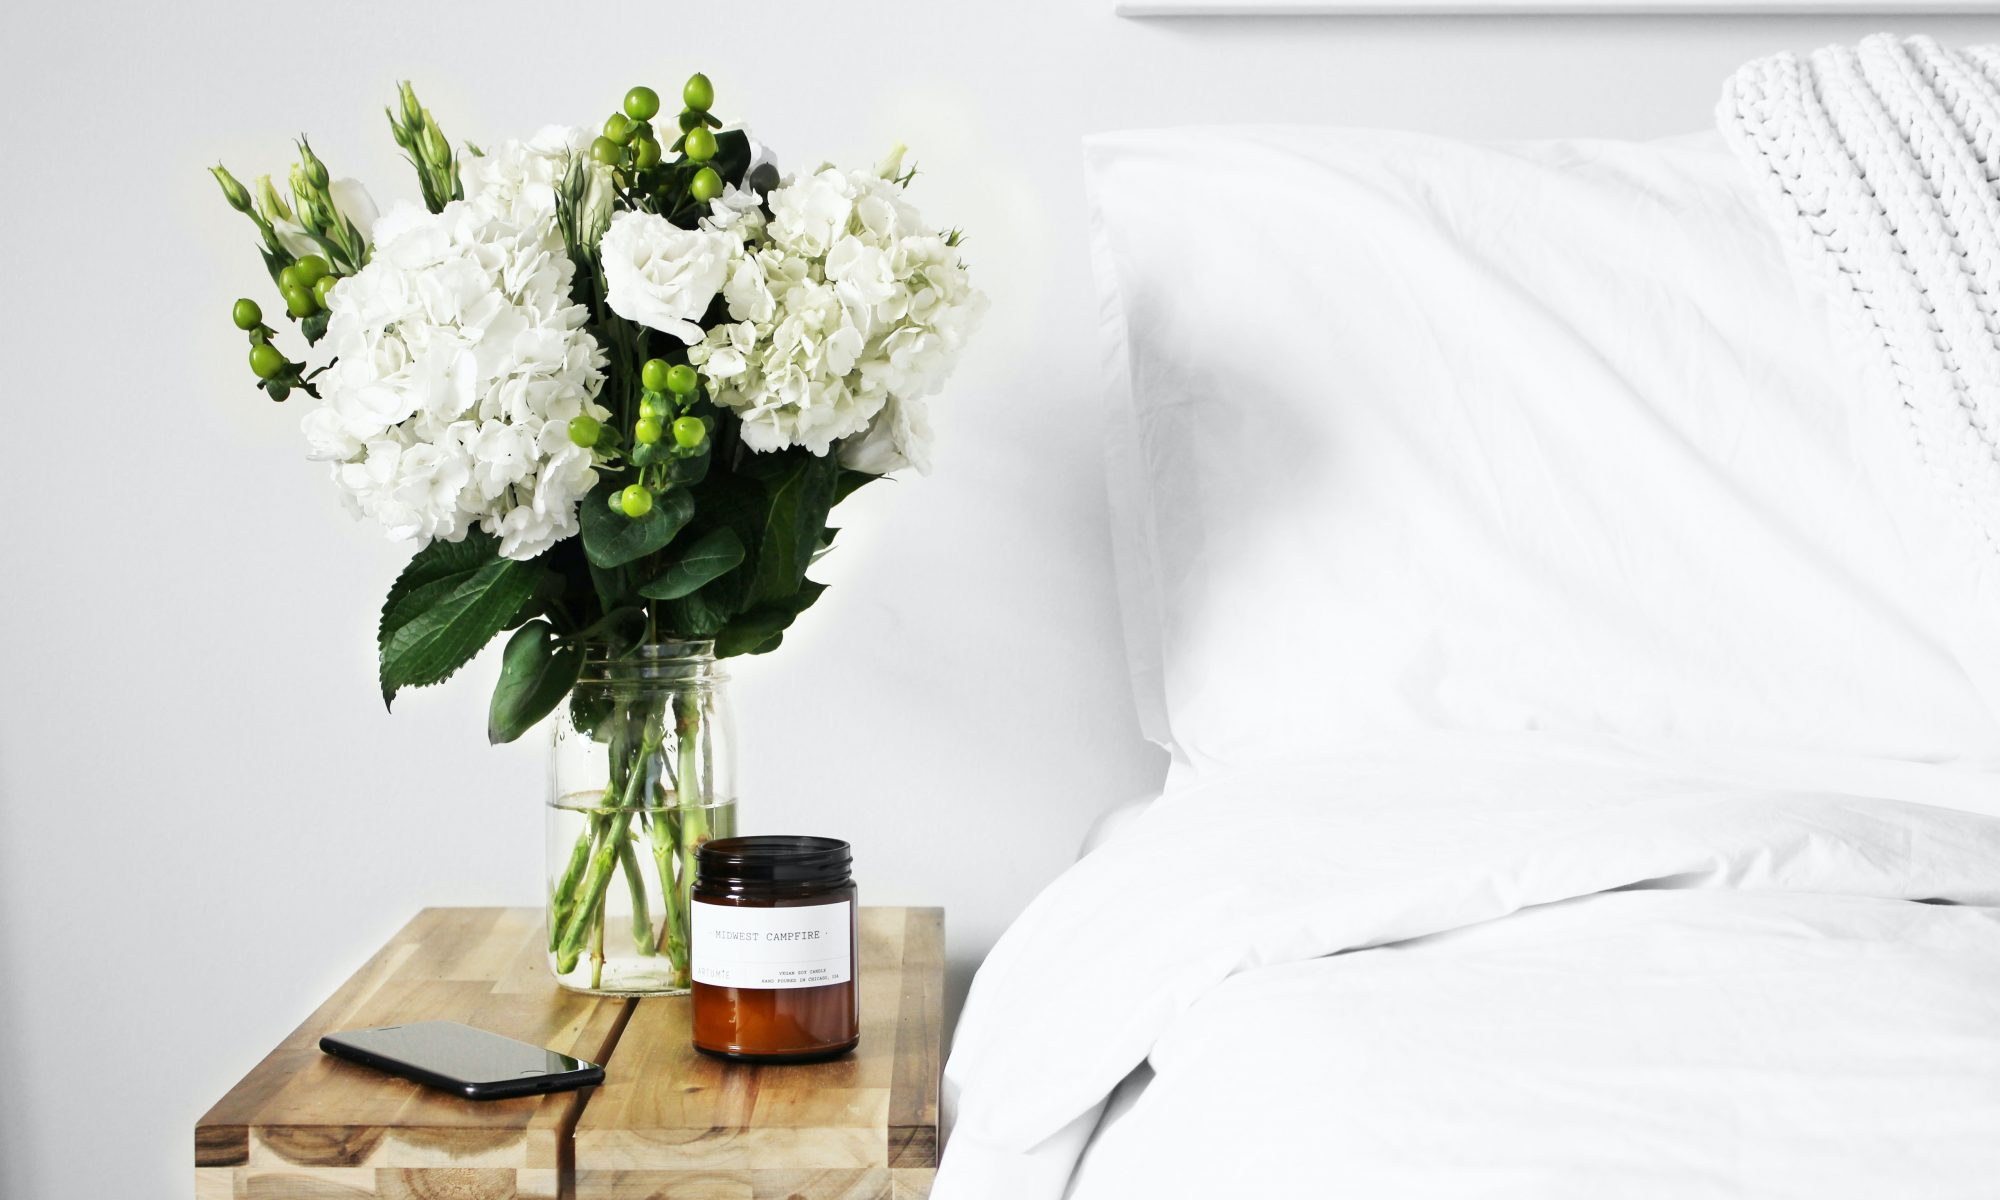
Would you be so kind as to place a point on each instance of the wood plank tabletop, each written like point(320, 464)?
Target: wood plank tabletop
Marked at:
point(666, 1122)
point(861, 1126)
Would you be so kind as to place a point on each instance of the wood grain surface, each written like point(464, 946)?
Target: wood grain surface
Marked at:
point(666, 1123)
point(672, 1122)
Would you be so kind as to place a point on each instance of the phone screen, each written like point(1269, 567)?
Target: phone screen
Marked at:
point(459, 1052)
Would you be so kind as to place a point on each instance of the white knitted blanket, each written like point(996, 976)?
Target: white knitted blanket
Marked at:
point(1880, 163)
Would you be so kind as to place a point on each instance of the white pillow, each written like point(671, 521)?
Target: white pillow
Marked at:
point(1410, 433)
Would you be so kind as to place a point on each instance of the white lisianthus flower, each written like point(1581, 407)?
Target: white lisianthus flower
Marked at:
point(662, 276)
point(460, 360)
point(846, 312)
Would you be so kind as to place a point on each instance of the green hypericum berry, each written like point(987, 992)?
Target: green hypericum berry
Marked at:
point(706, 185)
point(585, 429)
point(641, 103)
point(299, 301)
point(605, 150)
point(246, 314)
point(265, 361)
point(635, 501)
point(324, 288)
point(649, 408)
point(699, 145)
point(616, 502)
point(289, 278)
point(645, 153)
point(654, 375)
point(311, 269)
point(689, 432)
point(699, 94)
point(618, 127)
point(643, 454)
point(682, 379)
point(646, 431)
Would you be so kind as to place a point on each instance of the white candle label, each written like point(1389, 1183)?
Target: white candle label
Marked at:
point(811, 945)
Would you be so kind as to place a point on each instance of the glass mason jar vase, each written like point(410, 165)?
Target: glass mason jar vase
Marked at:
point(640, 775)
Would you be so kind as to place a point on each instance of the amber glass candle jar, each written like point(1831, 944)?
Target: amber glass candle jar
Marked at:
point(772, 946)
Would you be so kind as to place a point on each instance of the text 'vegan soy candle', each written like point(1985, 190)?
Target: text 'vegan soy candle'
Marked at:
point(774, 956)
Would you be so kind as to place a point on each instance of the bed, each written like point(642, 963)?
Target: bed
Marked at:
point(1585, 772)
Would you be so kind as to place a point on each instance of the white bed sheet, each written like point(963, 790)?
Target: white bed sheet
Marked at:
point(1505, 966)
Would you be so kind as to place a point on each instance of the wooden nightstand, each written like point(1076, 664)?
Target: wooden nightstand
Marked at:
point(666, 1121)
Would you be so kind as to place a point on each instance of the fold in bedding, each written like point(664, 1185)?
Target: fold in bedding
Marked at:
point(1702, 985)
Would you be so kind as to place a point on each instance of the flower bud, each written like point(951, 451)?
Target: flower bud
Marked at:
point(413, 112)
point(270, 203)
point(315, 171)
point(597, 198)
point(892, 166)
point(232, 191)
point(435, 148)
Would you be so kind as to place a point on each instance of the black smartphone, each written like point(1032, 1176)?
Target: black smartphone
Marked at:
point(462, 1060)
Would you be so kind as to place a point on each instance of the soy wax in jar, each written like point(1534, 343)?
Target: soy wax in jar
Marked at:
point(773, 949)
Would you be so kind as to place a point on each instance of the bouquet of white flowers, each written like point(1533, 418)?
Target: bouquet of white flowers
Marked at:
point(611, 386)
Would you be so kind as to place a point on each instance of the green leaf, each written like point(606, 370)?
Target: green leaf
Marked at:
point(749, 633)
point(851, 481)
point(535, 675)
point(549, 587)
point(431, 573)
point(800, 493)
point(759, 630)
point(691, 469)
point(700, 614)
point(445, 606)
point(732, 155)
point(613, 539)
point(712, 554)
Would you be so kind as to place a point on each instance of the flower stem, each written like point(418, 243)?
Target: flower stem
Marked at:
point(693, 812)
point(635, 882)
point(589, 906)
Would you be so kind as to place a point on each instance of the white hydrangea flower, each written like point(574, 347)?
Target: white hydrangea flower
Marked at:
point(846, 312)
point(518, 179)
point(661, 276)
point(460, 360)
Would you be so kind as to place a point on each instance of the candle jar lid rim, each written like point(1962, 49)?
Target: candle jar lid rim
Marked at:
point(770, 859)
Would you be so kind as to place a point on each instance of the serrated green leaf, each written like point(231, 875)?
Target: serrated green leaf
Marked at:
point(535, 674)
point(436, 628)
point(613, 539)
point(712, 554)
point(444, 563)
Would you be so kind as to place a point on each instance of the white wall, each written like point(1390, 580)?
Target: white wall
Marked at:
point(206, 820)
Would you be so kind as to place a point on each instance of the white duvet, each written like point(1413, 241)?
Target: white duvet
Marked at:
point(1460, 965)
